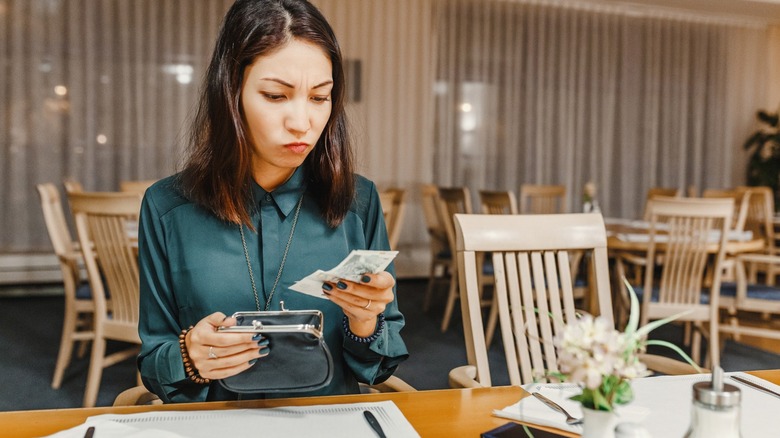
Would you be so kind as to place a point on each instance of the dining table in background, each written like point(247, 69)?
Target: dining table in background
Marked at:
point(434, 413)
point(634, 236)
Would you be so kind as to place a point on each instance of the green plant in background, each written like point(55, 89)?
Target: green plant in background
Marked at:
point(763, 167)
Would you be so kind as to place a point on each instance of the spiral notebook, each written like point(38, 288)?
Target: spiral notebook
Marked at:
point(319, 420)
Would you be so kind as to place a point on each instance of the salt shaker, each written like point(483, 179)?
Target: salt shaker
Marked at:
point(716, 409)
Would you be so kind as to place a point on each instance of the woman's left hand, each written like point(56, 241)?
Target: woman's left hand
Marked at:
point(362, 301)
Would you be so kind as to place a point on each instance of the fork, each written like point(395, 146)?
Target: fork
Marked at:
point(570, 420)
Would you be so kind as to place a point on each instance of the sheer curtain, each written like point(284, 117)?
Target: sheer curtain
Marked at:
point(570, 92)
point(484, 93)
point(96, 91)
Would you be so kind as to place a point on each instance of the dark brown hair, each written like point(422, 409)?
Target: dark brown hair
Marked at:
point(218, 171)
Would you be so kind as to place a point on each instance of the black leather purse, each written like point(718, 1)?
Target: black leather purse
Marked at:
point(299, 360)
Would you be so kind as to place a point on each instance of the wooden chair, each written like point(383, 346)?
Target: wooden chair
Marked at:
point(452, 200)
point(138, 186)
point(542, 199)
point(654, 192)
point(441, 255)
point(393, 206)
point(137, 396)
point(521, 261)
point(753, 301)
point(76, 324)
point(533, 289)
point(72, 186)
point(695, 231)
point(741, 199)
point(102, 224)
point(498, 202)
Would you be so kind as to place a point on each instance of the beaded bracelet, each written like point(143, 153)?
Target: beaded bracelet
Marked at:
point(189, 368)
point(380, 325)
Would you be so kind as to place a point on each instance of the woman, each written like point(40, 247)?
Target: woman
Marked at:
point(266, 197)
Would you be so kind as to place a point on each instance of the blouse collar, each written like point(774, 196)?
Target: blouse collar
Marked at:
point(285, 196)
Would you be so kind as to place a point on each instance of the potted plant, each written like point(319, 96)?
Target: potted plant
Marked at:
point(763, 167)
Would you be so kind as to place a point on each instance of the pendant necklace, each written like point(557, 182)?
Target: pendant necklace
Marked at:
point(281, 266)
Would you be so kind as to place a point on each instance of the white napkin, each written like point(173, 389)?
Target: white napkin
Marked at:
point(532, 410)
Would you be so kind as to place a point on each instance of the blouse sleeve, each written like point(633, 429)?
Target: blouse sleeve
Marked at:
point(160, 361)
point(375, 362)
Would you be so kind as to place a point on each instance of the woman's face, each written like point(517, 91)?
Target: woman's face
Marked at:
point(286, 102)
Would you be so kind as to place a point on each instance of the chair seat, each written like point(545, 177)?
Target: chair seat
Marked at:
point(703, 299)
point(83, 291)
point(754, 291)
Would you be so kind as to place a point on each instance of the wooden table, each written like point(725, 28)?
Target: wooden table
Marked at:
point(440, 413)
point(615, 243)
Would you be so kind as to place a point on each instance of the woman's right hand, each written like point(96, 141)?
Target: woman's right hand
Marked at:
point(218, 355)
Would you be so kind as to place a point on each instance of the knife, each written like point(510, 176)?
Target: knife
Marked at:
point(755, 385)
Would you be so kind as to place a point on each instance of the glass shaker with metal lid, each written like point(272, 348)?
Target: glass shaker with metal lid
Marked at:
point(716, 409)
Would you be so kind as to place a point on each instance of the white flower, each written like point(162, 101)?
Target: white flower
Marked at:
point(590, 349)
point(590, 190)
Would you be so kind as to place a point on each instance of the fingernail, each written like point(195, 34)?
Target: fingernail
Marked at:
point(258, 337)
point(265, 351)
point(252, 362)
point(263, 342)
point(365, 279)
point(341, 285)
point(327, 286)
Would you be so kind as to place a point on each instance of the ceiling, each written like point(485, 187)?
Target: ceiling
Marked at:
point(762, 10)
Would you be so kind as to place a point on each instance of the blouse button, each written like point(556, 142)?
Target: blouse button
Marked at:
point(267, 197)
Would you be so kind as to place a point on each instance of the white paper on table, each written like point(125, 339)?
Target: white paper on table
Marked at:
point(319, 420)
point(661, 404)
point(532, 410)
point(670, 398)
point(714, 237)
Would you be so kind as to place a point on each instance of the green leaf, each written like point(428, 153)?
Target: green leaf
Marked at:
point(650, 326)
point(633, 317)
point(676, 349)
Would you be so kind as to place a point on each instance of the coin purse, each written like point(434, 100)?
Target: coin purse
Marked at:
point(299, 360)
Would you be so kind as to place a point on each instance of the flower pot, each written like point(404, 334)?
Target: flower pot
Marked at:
point(598, 424)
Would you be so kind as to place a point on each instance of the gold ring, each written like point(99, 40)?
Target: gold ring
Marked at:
point(367, 305)
point(211, 353)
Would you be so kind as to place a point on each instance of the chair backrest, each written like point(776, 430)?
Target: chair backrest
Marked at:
point(741, 199)
point(103, 221)
point(54, 217)
point(393, 206)
point(453, 200)
point(691, 227)
point(498, 202)
point(72, 186)
point(533, 284)
point(138, 186)
point(433, 220)
point(654, 192)
point(542, 199)
point(760, 214)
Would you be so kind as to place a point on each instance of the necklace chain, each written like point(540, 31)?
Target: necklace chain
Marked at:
point(281, 266)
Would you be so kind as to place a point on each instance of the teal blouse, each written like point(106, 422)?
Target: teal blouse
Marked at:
point(192, 264)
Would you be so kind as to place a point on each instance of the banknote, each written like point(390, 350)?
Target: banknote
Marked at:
point(357, 263)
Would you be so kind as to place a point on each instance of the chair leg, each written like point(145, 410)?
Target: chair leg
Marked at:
point(696, 346)
point(734, 323)
point(451, 297)
point(66, 348)
point(714, 350)
point(95, 371)
point(432, 279)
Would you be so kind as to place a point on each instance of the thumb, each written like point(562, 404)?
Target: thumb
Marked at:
point(217, 319)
